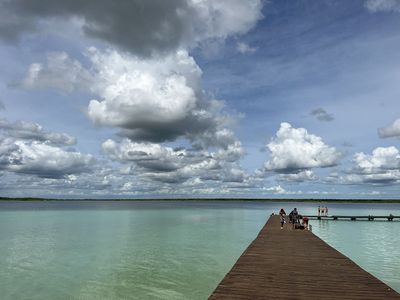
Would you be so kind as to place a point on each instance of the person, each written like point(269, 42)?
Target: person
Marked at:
point(282, 220)
point(294, 216)
point(282, 215)
point(305, 222)
point(319, 210)
point(322, 211)
point(326, 210)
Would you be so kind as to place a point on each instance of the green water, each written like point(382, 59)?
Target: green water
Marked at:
point(157, 250)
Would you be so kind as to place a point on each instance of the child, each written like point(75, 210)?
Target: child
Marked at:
point(282, 220)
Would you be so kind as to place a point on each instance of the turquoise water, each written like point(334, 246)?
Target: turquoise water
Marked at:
point(160, 250)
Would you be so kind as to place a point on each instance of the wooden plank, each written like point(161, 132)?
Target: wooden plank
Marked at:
point(296, 264)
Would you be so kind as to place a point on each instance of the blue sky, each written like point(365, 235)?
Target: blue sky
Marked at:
point(200, 99)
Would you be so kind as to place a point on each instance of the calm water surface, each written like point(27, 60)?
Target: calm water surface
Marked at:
point(160, 250)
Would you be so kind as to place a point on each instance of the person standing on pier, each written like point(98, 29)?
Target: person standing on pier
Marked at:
point(294, 215)
point(282, 215)
point(326, 210)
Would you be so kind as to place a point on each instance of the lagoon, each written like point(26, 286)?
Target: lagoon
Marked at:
point(161, 249)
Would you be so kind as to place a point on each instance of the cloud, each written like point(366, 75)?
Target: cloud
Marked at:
point(381, 167)
point(42, 160)
point(392, 130)
point(294, 149)
point(156, 99)
point(382, 5)
point(60, 72)
point(2, 106)
point(27, 148)
point(144, 28)
point(33, 131)
point(382, 158)
point(322, 115)
point(275, 189)
point(165, 164)
point(245, 48)
point(305, 175)
point(153, 100)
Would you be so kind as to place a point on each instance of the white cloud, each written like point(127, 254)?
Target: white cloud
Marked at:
point(383, 5)
point(27, 148)
point(382, 158)
point(60, 72)
point(165, 164)
point(33, 157)
point(393, 130)
point(305, 175)
point(245, 48)
point(382, 167)
point(294, 149)
point(275, 189)
point(33, 131)
point(155, 99)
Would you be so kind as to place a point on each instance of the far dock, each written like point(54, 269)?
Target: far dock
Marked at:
point(296, 264)
point(355, 218)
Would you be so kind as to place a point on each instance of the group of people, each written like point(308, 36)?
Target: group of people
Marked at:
point(294, 219)
point(322, 211)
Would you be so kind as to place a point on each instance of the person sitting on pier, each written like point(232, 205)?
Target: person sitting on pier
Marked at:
point(305, 222)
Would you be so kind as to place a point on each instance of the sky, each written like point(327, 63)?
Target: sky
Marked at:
point(200, 98)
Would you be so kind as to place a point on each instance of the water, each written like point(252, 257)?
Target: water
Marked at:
point(160, 250)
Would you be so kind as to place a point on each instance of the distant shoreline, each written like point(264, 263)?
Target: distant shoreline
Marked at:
point(393, 201)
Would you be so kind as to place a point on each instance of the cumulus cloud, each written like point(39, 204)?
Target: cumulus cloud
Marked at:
point(33, 131)
point(144, 28)
point(383, 5)
point(153, 91)
point(393, 130)
point(165, 164)
point(33, 157)
point(294, 149)
point(322, 115)
point(382, 158)
point(245, 48)
point(27, 148)
point(59, 72)
point(155, 99)
point(381, 167)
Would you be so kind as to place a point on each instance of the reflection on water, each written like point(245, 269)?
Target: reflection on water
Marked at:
point(159, 250)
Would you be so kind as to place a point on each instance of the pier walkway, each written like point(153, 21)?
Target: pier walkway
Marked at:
point(296, 264)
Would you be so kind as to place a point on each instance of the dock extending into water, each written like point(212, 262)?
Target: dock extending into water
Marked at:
point(355, 218)
point(296, 264)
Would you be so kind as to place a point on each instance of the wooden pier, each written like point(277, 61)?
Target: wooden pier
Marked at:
point(355, 218)
point(296, 264)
